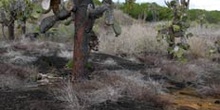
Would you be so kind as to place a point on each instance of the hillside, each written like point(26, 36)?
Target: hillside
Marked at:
point(155, 12)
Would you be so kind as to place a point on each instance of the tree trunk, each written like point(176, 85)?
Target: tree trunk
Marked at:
point(11, 31)
point(11, 24)
point(23, 27)
point(85, 15)
point(3, 31)
point(172, 46)
point(172, 43)
point(81, 50)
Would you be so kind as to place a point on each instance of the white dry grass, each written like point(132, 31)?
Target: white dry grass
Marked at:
point(203, 40)
point(22, 60)
point(134, 39)
point(14, 77)
point(65, 54)
point(10, 82)
point(210, 90)
point(107, 85)
point(198, 47)
point(68, 94)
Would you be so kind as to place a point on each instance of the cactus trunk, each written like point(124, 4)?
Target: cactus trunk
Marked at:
point(81, 50)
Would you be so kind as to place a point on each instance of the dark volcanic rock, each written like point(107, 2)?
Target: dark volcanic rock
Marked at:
point(28, 100)
point(217, 102)
point(46, 63)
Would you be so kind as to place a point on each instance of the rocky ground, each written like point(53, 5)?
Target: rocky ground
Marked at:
point(33, 73)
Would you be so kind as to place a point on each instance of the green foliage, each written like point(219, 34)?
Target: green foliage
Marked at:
point(213, 16)
point(129, 5)
point(70, 64)
point(177, 29)
point(151, 10)
point(20, 12)
point(23, 9)
point(97, 2)
point(164, 13)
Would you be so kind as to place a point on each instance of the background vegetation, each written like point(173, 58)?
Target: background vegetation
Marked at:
point(155, 12)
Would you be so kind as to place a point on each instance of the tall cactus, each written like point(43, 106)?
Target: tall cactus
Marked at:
point(202, 20)
point(16, 10)
point(84, 14)
point(177, 29)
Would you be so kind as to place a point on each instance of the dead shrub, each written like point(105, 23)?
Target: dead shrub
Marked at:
point(198, 47)
point(210, 90)
point(109, 85)
point(65, 92)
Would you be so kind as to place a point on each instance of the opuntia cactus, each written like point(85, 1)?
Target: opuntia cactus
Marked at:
point(84, 13)
point(177, 29)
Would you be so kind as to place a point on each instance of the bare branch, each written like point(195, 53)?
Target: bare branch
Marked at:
point(97, 12)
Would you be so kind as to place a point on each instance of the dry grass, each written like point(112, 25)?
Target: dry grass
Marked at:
point(109, 85)
point(141, 37)
point(198, 47)
point(210, 90)
point(10, 82)
point(68, 94)
point(14, 77)
point(203, 40)
point(135, 38)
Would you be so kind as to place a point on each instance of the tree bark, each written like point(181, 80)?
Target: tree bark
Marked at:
point(11, 31)
point(81, 40)
point(11, 26)
point(85, 15)
point(3, 31)
point(23, 27)
point(171, 43)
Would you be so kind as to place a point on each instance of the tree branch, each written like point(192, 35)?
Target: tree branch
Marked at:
point(97, 12)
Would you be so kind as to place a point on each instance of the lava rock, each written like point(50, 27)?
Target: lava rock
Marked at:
point(217, 102)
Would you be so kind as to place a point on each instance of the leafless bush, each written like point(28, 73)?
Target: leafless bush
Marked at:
point(184, 73)
point(198, 47)
point(210, 90)
point(68, 94)
point(108, 85)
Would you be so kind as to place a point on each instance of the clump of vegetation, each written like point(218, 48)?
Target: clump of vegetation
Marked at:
point(216, 48)
point(17, 10)
point(163, 13)
point(177, 29)
point(129, 5)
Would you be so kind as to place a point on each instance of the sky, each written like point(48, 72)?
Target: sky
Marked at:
point(194, 4)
